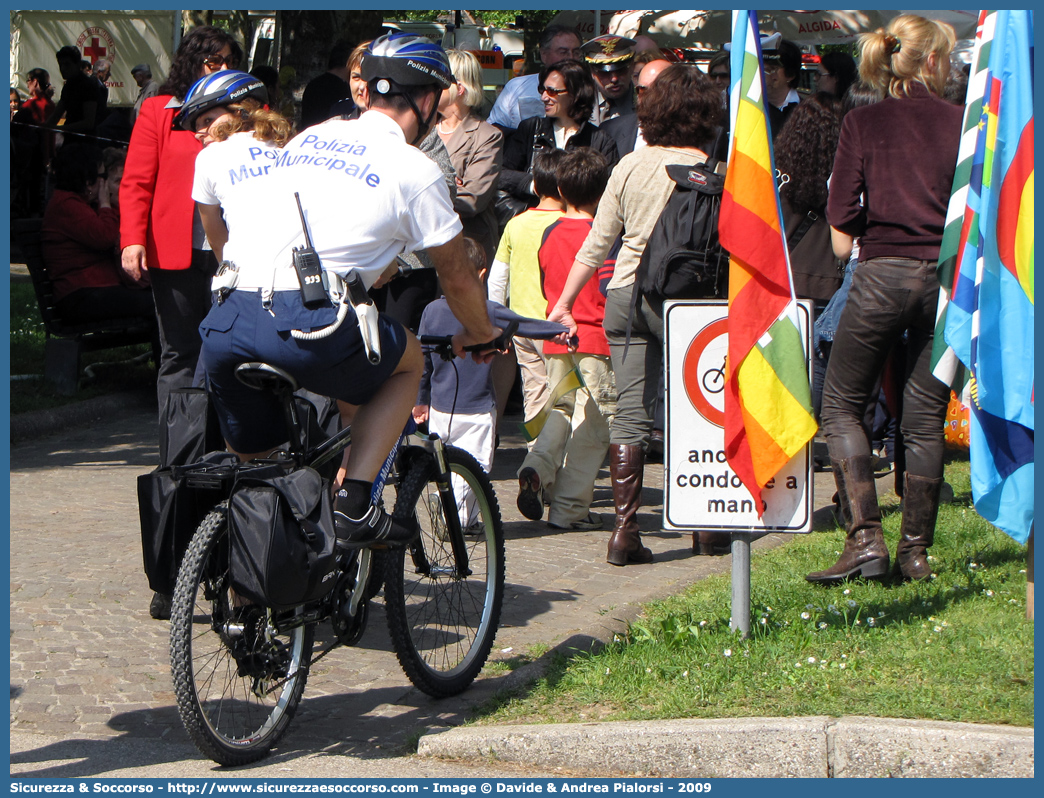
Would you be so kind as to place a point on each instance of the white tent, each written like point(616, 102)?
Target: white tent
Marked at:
point(126, 38)
point(712, 28)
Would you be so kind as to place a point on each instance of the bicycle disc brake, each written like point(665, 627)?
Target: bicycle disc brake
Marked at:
point(257, 655)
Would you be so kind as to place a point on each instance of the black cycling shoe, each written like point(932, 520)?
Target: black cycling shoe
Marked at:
point(375, 528)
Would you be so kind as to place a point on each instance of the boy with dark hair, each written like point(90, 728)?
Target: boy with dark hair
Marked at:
point(514, 277)
point(571, 447)
point(782, 70)
point(456, 397)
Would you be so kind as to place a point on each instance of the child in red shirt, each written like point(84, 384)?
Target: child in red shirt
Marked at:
point(571, 447)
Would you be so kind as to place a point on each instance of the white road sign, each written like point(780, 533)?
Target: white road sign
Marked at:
point(701, 491)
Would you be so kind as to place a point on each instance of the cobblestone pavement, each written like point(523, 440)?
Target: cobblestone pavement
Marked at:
point(88, 662)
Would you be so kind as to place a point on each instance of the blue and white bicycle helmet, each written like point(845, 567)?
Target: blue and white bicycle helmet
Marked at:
point(221, 88)
point(398, 61)
point(406, 60)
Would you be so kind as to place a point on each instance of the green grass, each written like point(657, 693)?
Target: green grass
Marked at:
point(27, 358)
point(958, 648)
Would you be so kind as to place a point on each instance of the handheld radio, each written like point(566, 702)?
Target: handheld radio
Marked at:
point(309, 269)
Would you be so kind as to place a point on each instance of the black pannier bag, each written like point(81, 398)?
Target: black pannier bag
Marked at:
point(281, 536)
point(172, 503)
point(190, 428)
point(169, 513)
point(174, 499)
point(683, 258)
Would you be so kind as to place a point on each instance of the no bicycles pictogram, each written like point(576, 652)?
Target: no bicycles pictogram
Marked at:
point(704, 371)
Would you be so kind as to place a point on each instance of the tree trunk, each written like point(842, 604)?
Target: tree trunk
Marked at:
point(242, 28)
point(307, 36)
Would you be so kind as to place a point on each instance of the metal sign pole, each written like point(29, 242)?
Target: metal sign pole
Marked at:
point(701, 490)
point(740, 621)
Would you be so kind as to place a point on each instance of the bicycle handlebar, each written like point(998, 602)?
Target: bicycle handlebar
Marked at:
point(443, 344)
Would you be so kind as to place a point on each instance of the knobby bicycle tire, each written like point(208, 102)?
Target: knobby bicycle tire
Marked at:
point(237, 680)
point(442, 625)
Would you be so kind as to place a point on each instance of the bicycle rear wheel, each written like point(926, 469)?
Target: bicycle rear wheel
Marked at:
point(238, 679)
point(442, 623)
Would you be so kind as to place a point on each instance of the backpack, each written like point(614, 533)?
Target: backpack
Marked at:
point(682, 258)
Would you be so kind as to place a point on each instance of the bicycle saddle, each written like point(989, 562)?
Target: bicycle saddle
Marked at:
point(262, 376)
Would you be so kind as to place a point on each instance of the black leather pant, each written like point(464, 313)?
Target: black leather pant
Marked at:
point(889, 296)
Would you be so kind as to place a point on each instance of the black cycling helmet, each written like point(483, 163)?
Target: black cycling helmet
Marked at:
point(406, 60)
point(221, 88)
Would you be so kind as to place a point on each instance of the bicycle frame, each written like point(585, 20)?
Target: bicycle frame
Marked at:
point(410, 437)
point(330, 448)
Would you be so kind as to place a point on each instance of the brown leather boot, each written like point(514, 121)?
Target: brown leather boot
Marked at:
point(627, 467)
point(865, 553)
point(920, 509)
point(711, 544)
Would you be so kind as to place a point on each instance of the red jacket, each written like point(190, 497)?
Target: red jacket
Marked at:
point(156, 207)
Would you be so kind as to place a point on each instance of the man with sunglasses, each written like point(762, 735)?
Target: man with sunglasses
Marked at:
point(624, 129)
point(520, 98)
point(326, 90)
point(611, 59)
point(719, 71)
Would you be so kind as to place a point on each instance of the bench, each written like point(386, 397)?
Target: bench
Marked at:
point(67, 341)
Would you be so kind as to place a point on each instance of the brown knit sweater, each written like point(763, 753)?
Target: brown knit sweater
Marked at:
point(901, 154)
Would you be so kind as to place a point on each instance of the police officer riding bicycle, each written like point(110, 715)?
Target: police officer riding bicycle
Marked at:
point(365, 196)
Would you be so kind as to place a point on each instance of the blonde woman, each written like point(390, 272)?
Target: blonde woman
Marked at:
point(899, 156)
point(474, 148)
point(241, 140)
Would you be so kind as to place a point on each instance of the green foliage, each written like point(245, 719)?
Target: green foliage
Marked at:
point(956, 648)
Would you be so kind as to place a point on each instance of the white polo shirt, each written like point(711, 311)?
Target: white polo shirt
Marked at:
point(367, 196)
point(226, 170)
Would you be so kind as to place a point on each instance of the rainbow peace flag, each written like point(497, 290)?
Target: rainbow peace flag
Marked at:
point(989, 318)
point(768, 403)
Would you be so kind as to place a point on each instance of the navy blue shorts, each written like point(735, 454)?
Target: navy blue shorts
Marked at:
point(240, 330)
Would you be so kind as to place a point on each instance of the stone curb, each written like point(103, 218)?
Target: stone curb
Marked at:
point(38, 423)
point(805, 747)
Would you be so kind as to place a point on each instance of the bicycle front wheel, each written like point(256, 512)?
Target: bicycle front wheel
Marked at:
point(443, 622)
point(238, 678)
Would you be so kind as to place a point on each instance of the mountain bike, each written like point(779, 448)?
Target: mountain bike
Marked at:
point(240, 669)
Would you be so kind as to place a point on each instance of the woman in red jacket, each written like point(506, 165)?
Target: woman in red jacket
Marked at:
point(160, 232)
point(79, 237)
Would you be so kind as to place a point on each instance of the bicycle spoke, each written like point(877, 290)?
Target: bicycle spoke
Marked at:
point(237, 682)
point(443, 623)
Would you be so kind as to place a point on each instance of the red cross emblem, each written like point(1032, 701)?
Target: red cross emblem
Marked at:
point(95, 50)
